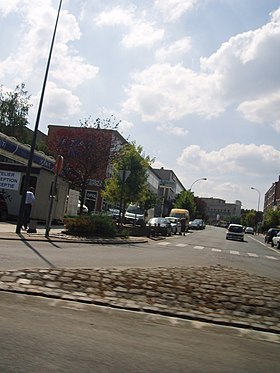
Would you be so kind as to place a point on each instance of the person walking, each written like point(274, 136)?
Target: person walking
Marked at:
point(29, 202)
point(183, 225)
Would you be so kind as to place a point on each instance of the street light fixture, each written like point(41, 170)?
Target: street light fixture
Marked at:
point(258, 198)
point(258, 207)
point(202, 178)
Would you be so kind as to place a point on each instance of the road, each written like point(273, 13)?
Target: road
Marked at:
point(43, 335)
point(204, 247)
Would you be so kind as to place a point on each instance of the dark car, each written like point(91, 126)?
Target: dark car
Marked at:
point(272, 232)
point(3, 208)
point(158, 226)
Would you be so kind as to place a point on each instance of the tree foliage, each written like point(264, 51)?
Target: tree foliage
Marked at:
point(86, 152)
point(185, 200)
point(272, 219)
point(14, 107)
point(135, 188)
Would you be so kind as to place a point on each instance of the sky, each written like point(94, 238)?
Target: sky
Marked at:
point(196, 83)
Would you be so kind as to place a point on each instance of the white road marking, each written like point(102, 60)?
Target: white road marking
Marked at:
point(182, 244)
point(216, 250)
point(253, 255)
point(198, 247)
point(233, 252)
point(271, 257)
point(164, 243)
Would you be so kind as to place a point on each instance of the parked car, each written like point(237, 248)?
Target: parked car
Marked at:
point(3, 208)
point(249, 230)
point(276, 241)
point(235, 232)
point(197, 224)
point(272, 232)
point(158, 226)
point(175, 224)
point(115, 213)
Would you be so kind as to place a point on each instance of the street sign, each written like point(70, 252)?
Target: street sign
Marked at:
point(124, 175)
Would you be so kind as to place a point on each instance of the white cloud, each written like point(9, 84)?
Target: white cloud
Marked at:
point(140, 32)
point(166, 92)
point(7, 7)
point(172, 130)
point(58, 102)
point(174, 50)
point(36, 33)
point(266, 109)
point(235, 158)
point(243, 73)
point(174, 9)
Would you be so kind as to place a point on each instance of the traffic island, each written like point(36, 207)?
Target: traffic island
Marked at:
point(215, 294)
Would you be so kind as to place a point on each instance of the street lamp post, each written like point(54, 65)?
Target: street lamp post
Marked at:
point(202, 178)
point(258, 198)
point(259, 193)
point(32, 149)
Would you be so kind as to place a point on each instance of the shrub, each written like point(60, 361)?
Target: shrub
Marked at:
point(87, 225)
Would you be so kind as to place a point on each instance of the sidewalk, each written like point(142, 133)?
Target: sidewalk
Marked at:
point(8, 232)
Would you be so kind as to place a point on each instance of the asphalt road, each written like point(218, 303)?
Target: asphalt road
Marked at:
point(43, 335)
point(204, 247)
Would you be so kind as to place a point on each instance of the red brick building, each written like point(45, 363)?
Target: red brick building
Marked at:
point(272, 197)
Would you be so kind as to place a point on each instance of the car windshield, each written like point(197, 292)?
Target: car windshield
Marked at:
point(235, 228)
point(135, 210)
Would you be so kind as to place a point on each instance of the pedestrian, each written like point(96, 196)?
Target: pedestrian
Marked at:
point(29, 202)
point(183, 225)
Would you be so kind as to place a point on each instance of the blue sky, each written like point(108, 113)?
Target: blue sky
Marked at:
point(195, 82)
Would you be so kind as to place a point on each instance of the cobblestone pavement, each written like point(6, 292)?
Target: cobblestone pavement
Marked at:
point(215, 294)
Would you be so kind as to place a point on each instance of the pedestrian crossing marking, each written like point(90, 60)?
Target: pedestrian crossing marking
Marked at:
point(213, 249)
point(233, 252)
point(271, 257)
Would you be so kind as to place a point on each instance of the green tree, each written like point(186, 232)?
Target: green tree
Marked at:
point(272, 219)
point(135, 188)
point(14, 107)
point(185, 200)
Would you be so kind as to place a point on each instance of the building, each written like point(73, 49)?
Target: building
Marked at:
point(218, 209)
point(13, 163)
point(272, 197)
point(168, 189)
point(89, 152)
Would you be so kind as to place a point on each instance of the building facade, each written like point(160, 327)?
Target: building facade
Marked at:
point(272, 197)
point(218, 209)
point(168, 189)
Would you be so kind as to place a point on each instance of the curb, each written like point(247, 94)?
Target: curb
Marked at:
point(70, 239)
point(149, 310)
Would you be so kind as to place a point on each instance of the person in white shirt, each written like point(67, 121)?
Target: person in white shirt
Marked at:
point(29, 202)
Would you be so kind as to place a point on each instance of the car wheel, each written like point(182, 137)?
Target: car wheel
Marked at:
point(272, 244)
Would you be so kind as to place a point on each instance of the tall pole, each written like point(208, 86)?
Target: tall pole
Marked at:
point(33, 144)
point(259, 197)
point(202, 178)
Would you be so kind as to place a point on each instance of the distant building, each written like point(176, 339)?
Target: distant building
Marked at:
point(272, 197)
point(218, 209)
point(168, 189)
